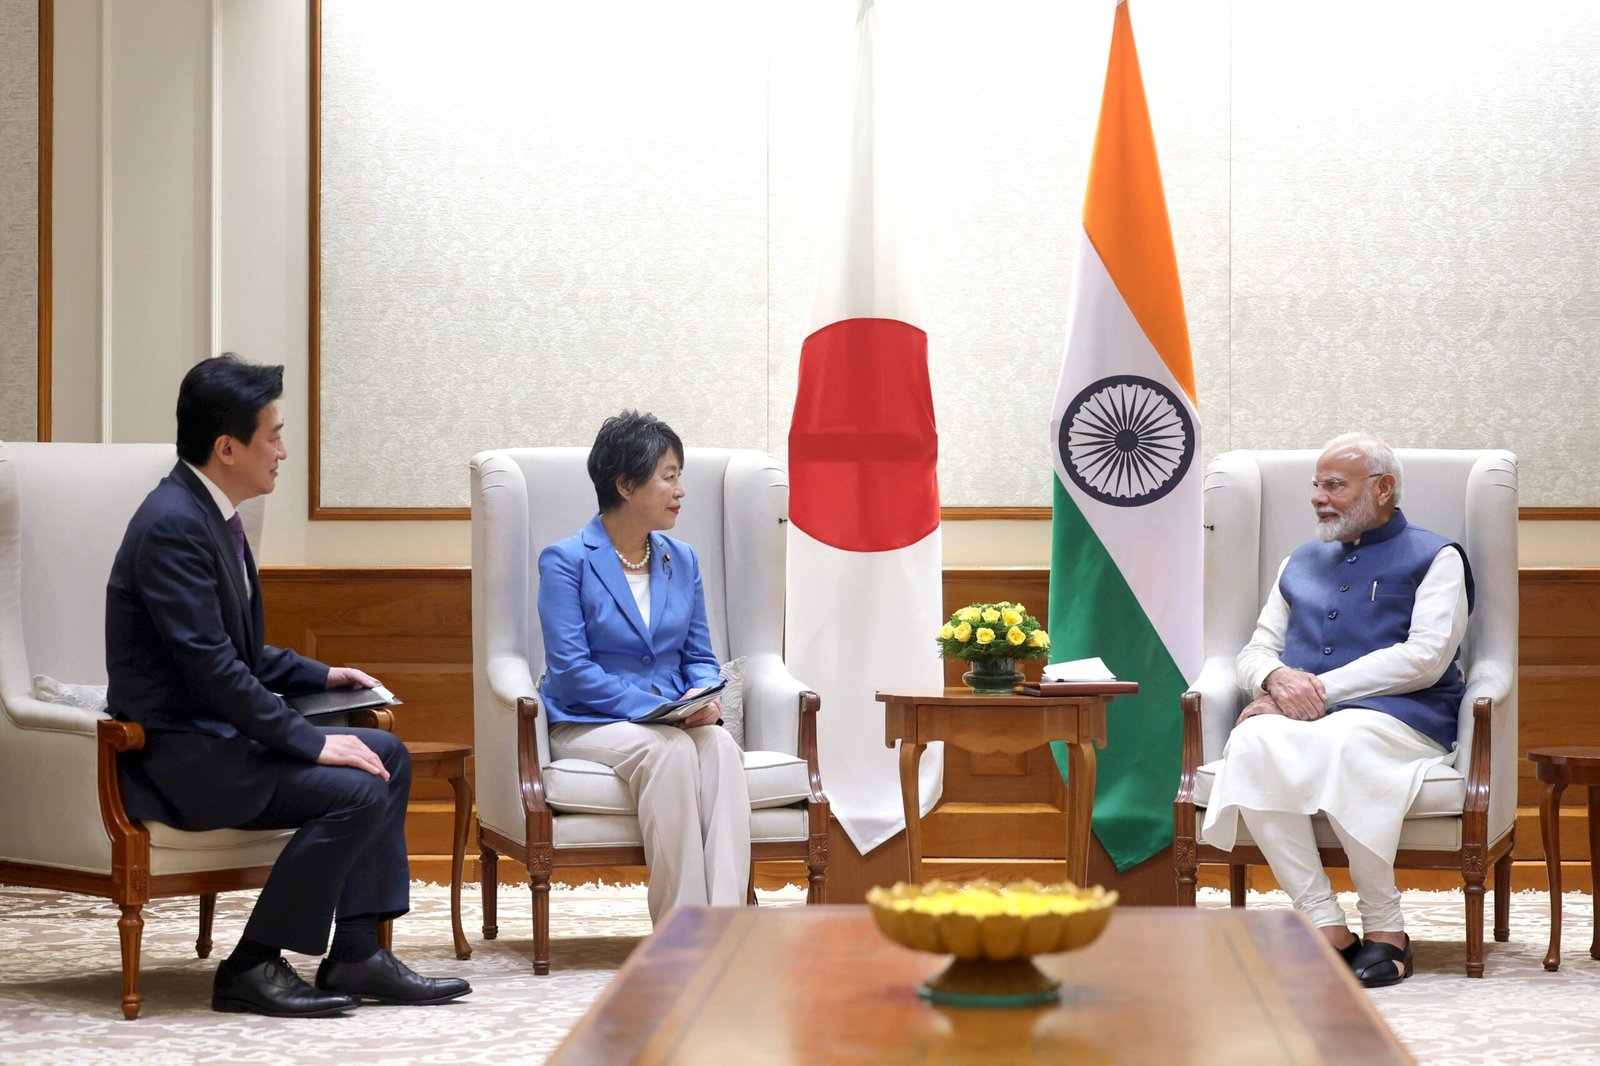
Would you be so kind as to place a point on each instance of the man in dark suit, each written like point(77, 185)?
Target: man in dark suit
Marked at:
point(186, 660)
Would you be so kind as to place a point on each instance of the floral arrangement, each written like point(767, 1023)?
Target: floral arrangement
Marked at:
point(993, 631)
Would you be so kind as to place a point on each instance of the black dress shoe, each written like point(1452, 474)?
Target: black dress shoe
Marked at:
point(388, 980)
point(274, 989)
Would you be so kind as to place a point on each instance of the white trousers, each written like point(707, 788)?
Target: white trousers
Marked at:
point(693, 803)
point(1286, 840)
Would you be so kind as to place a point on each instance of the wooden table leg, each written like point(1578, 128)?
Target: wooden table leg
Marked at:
point(458, 858)
point(1550, 829)
point(911, 798)
point(1081, 768)
point(1594, 868)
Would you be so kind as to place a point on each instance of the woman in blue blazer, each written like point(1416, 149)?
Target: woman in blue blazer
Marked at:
point(624, 620)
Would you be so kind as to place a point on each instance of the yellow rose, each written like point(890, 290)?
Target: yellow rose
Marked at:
point(1038, 639)
point(1015, 636)
point(1011, 617)
point(963, 632)
point(947, 632)
point(1021, 609)
point(985, 635)
point(968, 614)
point(991, 615)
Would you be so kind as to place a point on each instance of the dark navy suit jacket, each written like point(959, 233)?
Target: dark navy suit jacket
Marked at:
point(186, 660)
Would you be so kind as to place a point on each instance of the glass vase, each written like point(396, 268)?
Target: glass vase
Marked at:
point(993, 677)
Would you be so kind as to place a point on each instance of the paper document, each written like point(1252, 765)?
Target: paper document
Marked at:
point(678, 710)
point(1079, 670)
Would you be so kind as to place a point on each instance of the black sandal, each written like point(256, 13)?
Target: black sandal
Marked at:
point(1379, 965)
point(1350, 951)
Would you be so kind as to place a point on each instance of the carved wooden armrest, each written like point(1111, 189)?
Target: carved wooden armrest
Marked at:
point(1477, 800)
point(1192, 745)
point(810, 706)
point(373, 718)
point(533, 801)
point(130, 841)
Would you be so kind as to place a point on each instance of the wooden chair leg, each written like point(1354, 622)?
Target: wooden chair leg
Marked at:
point(1185, 868)
point(208, 911)
point(386, 934)
point(1502, 898)
point(817, 881)
point(1472, 873)
point(540, 884)
point(130, 929)
point(750, 888)
point(489, 884)
point(1236, 884)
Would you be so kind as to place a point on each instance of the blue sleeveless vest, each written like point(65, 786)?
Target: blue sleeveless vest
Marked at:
point(1346, 600)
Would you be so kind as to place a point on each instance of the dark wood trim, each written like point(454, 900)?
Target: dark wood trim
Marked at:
point(47, 65)
point(1004, 514)
point(1559, 514)
point(320, 574)
point(314, 261)
point(383, 514)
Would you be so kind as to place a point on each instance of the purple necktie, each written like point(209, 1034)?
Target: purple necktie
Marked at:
point(236, 527)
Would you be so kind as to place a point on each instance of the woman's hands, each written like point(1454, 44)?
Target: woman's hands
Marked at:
point(706, 715)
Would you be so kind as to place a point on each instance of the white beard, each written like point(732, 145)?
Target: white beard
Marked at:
point(1356, 520)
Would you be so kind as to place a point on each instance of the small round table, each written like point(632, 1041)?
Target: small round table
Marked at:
point(1557, 768)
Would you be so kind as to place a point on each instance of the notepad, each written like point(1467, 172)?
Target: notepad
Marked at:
point(1092, 669)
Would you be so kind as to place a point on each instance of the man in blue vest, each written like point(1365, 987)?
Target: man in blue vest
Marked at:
point(1356, 685)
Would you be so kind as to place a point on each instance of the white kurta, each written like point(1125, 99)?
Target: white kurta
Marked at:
point(1363, 767)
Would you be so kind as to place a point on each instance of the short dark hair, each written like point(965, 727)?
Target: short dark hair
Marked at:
point(222, 397)
point(627, 448)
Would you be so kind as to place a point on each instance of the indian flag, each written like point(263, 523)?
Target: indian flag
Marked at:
point(864, 596)
point(1125, 566)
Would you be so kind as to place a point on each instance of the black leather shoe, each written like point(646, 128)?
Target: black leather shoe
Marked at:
point(274, 989)
point(388, 980)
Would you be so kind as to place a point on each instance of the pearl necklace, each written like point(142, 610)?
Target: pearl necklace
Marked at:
point(640, 565)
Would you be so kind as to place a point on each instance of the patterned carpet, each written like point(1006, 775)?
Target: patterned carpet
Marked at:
point(60, 985)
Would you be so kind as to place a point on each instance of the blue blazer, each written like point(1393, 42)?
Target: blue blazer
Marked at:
point(602, 663)
point(186, 659)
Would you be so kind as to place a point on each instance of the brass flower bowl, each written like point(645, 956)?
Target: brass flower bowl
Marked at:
point(993, 931)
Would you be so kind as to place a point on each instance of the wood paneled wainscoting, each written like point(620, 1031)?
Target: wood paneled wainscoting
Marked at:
point(1000, 816)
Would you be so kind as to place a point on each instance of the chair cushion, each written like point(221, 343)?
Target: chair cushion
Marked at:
point(775, 779)
point(577, 786)
point(1443, 792)
point(164, 836)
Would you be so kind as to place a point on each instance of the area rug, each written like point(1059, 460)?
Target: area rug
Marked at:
point(60, 984)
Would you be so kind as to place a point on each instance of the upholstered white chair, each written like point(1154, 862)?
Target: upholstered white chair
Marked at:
point(569, 812)
point(63, 510)
point(1257, 510)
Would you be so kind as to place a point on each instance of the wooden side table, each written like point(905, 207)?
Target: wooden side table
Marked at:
point(1010, 725)
point(1557, 768)
point(443, 760)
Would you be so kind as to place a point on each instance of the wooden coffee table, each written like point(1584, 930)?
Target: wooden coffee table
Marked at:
point(821, 985)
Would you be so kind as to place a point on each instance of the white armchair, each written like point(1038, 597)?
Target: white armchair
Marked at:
point(569, 812)
point(1257, 511)
point(63, 510)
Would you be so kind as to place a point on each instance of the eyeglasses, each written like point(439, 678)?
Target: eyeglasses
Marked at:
point(1333, 486)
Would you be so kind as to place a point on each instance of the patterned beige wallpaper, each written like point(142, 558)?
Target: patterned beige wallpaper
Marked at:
point(19, 219)
point(1386, 216)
